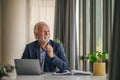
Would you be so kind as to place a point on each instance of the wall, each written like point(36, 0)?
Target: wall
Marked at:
point(0, 31)
point(13, 29)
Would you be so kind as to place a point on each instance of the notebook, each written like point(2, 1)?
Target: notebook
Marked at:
point(27, 66)
point(72, 72)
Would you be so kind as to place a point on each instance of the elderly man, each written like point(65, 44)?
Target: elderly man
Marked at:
point(50, 53)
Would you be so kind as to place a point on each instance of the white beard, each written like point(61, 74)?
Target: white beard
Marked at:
point(45, 39)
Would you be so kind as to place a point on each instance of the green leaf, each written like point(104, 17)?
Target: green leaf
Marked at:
point(98, 56)
point(2, 72)
point(92, 57)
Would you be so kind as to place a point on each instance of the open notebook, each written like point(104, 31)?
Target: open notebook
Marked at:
point(72, 72)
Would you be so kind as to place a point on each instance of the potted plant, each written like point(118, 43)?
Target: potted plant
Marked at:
point(4, 70)
point(98, 59)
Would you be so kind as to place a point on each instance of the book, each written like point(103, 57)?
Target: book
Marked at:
point(72, 72)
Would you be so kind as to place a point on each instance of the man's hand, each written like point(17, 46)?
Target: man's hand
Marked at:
point(50, 51)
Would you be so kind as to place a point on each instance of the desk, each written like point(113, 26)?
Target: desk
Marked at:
point(49, 76)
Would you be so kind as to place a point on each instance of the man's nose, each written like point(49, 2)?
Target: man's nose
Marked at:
point(46, 32)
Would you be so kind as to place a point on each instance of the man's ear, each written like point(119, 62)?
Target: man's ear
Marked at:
point(35, 34)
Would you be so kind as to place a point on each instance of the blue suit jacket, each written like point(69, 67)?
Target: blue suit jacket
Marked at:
point(32, 51)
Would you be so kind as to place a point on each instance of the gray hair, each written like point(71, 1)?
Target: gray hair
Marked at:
point(39, 24)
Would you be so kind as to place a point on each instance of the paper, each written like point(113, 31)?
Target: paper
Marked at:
point(78, 72)
point(72, 72)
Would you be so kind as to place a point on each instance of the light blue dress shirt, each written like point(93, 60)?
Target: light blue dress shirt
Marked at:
point(42, 58)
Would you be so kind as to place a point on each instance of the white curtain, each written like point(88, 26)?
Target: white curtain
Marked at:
point(40, 10)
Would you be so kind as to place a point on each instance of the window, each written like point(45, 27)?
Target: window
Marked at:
point(94, 28)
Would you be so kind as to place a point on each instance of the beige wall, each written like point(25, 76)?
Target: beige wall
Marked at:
point(13, 29)
point(0, 31)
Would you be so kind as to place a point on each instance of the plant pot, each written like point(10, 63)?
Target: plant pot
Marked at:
point(99, 69)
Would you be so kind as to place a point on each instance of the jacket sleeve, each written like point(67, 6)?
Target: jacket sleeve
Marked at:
point(60, 60)
point(25, 53)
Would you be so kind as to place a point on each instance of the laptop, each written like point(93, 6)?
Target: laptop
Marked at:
point(27, 66)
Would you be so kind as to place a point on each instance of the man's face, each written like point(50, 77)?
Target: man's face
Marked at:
point(43, 33)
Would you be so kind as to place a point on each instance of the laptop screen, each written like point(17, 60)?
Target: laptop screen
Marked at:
point(27, 66)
